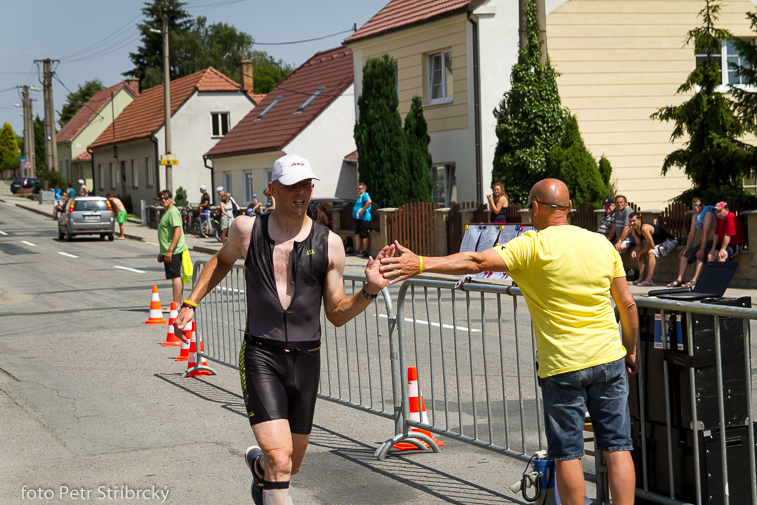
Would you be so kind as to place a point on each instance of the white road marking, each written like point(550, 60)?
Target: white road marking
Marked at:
point(28, 243)
point(130, 269)
point(66, 254)
point(445, 326)
point(3, 233)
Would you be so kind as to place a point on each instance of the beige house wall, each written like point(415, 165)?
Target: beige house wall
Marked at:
point(621, 61)
point(410, 48)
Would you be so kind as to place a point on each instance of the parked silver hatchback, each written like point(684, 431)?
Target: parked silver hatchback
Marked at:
point(87, 215)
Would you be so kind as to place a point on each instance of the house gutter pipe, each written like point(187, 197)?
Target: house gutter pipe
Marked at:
point(477, 105)
point(157, 165)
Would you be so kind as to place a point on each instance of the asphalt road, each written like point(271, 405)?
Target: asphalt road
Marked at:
point(93, 410)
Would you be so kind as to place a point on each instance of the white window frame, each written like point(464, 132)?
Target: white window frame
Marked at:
point(226, 182)
point(100, 182)
point(135, 173)
point(249, 188)
point(450, 183)
point(220, 124)
point(150, 167)
point(444, 60)
point(727, 54)
point(113, 175)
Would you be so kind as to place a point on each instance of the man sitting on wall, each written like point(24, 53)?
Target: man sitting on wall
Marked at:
point(657, 244)
point(704, 219)
point(729, 237)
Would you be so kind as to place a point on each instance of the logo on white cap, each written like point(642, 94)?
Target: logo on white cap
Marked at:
point(291, 169)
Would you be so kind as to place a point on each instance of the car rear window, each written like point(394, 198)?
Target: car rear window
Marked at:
point(90, 205)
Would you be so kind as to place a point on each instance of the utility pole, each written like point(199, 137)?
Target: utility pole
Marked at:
point(29, 154)
point(541, 17)
point(28, 131)
point(51, 143)
point(167, 100)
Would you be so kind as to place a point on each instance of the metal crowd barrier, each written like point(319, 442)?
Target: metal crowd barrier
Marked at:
point(475, 364)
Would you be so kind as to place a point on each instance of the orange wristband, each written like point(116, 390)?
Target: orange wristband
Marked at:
point(420, 265)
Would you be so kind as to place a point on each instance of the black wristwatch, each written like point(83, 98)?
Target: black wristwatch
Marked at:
point(368, 295)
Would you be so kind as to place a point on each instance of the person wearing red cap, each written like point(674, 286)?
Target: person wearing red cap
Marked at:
point(729, 237)
point(292, 267)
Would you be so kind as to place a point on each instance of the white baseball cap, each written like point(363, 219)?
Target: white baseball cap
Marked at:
point(219, 189)
point(291, 169)
point(81, 181)
point(203, 188)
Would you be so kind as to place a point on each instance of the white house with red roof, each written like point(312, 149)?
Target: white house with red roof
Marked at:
point(74, 162)
point(310, 113)
point(205, 106)
point(456, 55)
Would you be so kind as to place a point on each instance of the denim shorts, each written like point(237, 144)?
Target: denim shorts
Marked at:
point(603, 391)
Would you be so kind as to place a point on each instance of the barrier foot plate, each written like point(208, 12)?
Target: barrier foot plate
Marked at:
point(197, 371)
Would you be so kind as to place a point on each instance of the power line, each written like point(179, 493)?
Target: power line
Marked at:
point(300, 41)
point(108, 37)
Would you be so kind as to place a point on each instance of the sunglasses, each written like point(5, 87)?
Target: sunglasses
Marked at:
point(164, 198)
point(554, 206)
point(697, 205)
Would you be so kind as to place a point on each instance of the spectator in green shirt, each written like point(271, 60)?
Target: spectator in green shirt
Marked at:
point(172, 244)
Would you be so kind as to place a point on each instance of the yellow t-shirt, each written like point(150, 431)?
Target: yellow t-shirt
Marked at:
point(565, 273)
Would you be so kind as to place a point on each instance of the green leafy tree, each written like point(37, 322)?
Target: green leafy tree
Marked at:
point(380, 140)
point(712, 155)
point(148, 59)
point(181, 197)
point(529, 118)
point(745, 101)
point(195, 45)
point(573, 164)
point(418, 155)
point(9, 152)
point(77, 99)
point(39, 143)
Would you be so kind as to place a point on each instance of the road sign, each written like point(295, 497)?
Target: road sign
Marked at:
point(27, 165)
point(168, 159)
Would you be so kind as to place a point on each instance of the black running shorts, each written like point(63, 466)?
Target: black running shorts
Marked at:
point(280, 385)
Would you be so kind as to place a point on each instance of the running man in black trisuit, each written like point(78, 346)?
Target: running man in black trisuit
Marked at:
point(291, 264)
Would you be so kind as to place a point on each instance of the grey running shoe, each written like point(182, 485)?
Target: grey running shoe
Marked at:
point(250, 456)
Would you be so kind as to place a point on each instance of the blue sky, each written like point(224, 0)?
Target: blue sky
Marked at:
point(93, 38)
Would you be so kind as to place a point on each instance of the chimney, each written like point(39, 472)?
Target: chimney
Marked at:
point(133, 83)
point(245, 75)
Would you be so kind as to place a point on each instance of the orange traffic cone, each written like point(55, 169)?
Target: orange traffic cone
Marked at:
point(184, 351)
point(156, 314)
point(193, 369)
point(171, 339)
point(417, 411)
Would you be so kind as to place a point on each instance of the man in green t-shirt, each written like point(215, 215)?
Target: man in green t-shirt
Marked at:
point(172, 244)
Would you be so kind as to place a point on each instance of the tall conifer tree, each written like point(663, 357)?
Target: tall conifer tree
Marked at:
point(418, 154)
point(380, 139)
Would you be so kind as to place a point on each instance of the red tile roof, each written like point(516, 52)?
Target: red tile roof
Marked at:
point(85, 156)
point(144, 116)
point(88, 112)
point(282, 122)
point(352, 157)
point(403, 13)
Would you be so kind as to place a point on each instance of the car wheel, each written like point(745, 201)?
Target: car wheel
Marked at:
point(111, 237)
point(69, 236)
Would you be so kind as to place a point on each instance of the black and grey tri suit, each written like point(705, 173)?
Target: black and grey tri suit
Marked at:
point(279, 363)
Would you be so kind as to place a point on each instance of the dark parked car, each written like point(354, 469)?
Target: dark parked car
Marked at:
point(25, 183)
point(87, 215)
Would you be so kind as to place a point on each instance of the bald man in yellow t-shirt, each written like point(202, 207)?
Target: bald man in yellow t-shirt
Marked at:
point(567, 276)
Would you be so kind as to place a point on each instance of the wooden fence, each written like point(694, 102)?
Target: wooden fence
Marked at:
point(414, 226)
